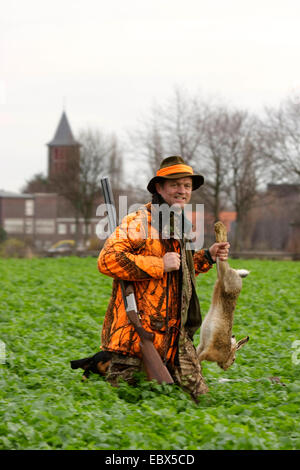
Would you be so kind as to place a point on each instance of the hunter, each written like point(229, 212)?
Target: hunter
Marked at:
point(157, 259)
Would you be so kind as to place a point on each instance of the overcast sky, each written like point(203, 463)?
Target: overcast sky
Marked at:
point(108, 61)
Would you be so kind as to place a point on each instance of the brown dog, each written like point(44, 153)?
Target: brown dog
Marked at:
point(98, 364)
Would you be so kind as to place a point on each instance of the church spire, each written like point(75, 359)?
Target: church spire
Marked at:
point(63, 135)
point(63, 150)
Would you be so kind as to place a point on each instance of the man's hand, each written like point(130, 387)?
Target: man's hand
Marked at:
point(219, 250)
point(171, 261)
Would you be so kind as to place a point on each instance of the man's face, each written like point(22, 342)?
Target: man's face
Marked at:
point(177, 191)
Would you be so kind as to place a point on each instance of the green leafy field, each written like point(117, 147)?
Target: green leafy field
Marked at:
point(51, 313)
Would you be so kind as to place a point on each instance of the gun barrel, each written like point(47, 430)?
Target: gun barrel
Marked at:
point(110, 203)
point(112, 217)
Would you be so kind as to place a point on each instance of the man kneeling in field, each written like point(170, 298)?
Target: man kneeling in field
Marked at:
point(163, 270)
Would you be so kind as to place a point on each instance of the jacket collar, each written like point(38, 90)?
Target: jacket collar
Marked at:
point(179, 227)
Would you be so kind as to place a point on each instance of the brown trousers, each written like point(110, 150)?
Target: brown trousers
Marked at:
point(187, 374)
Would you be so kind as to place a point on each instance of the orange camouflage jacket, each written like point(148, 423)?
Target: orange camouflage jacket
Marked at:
point(135, 253)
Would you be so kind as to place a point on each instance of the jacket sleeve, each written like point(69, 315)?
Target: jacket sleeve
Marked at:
point(203, 262)
point(119, 258)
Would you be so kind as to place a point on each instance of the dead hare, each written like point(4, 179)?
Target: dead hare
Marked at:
point(217, 344)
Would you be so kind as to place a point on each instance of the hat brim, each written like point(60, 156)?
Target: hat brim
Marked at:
point(198, 180)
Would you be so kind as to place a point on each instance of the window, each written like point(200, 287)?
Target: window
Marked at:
point(45, 226)
point(88, 229)
point(14, 225)
point(29, 207)
point(73, 228)
point(61, 229)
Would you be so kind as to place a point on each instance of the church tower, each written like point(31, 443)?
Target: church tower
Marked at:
point(63, 150)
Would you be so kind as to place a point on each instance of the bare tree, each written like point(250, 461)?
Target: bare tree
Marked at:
point(231, 164)
point(280, 139)
point(219, 142)
point(100, 155)
point(80, 184)
point(115, 163)
point(147, 142)
point(171, 128)
point(39, 183)
point(242, 174)
point(184, 120)
point(280, 145)
point(214, 159)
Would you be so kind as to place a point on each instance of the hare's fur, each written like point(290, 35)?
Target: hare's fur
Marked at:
point(216, 341)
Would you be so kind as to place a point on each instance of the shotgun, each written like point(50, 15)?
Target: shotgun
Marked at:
point(153, 364)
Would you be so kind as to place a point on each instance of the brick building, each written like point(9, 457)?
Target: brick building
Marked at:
point(45, 218)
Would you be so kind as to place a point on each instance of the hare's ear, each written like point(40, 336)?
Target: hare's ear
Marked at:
point(241, 343)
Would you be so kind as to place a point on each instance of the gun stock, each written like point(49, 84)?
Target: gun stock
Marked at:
point(153, 364)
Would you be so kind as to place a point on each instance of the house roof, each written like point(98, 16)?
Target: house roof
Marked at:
point(7, 194)
point(63, 135)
